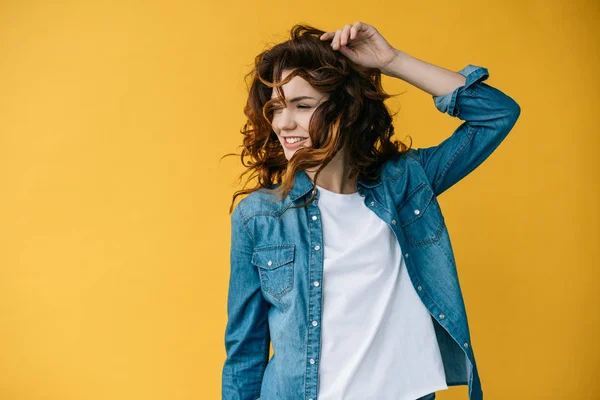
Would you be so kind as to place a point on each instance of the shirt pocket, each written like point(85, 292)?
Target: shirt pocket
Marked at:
point(421, 219)
point(276, 268)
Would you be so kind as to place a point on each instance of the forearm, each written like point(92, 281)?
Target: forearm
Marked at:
point(435, 80)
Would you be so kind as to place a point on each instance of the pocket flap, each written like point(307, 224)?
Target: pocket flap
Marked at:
point(416, 204)
point(271, 257)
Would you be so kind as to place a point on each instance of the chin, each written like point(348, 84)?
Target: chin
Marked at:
point(289, 153)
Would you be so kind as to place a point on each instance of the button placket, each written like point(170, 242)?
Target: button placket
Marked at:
point(314, 316)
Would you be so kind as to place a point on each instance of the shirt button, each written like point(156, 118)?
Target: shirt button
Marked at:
point(406, 255)
point(442, 316)
point(419, 287)
point(417, 212)
point(394, 222)
point(316, 283)
point(466, 345)
point(317, 247)
point(314, 218)
point(315, 323)
point(311, 361)
point(270, 263)
point(372, 203)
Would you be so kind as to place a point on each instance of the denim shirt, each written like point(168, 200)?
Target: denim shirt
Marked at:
point(276, 259)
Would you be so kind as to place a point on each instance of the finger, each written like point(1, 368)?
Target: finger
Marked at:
point(327, 35)
point(344, 37)
point(360, 27)
point(335, 43)
point(354, 30)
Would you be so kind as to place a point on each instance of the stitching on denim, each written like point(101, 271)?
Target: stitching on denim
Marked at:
point(274, 246)
point(378, 202)
point(421, 243)
point(417, 217)
point(260, 213)
point(449, 320)
point(470, 134)
point(470, 88)
point(262, 270)
point(453, 105)
point(244, 220)
point(258, 250)
point(308, 302)
point(409, 195)
point(284, 291)
point(412, 153)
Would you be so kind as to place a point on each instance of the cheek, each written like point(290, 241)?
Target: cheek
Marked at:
point(306, 122)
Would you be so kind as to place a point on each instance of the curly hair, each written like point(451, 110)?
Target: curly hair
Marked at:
point(354, 115)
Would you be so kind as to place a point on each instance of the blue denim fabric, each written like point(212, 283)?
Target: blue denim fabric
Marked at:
point(276, 256)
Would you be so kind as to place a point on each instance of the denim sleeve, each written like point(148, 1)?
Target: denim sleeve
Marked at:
point(247, 337)
point(489, 116)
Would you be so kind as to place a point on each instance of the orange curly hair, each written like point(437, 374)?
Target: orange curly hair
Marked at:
point(354, 115)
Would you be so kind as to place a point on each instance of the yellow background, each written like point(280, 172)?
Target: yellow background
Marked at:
point(114, 238)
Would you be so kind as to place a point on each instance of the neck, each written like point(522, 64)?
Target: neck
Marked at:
point(334, 177)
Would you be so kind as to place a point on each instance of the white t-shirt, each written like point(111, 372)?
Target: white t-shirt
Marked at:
point(377, 337)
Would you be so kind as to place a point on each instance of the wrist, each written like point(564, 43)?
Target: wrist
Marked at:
point(395, 67)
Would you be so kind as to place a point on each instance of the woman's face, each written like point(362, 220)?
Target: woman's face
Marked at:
point(290, 121)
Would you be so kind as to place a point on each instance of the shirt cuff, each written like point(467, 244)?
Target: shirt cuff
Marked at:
point(447, 103)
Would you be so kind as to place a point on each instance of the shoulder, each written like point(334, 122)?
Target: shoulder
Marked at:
point(395, 165)
point(260, 202)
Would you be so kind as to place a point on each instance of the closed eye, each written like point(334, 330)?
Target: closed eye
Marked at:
point(301, 106)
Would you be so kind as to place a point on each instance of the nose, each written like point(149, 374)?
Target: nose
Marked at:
point(284, 120)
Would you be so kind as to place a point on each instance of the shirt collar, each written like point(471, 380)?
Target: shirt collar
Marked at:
point(303, 184)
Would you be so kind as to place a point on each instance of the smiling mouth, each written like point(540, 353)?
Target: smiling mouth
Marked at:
point(292, 140)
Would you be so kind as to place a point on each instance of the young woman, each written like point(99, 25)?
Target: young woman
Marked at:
point(340, 257)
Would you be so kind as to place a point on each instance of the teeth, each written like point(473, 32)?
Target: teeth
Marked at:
point(294, 140)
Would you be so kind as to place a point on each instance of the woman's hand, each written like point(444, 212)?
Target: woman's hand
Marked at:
point(363, 45)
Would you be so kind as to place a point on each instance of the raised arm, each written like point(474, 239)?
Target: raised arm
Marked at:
point(247, 337)
point(489, 116)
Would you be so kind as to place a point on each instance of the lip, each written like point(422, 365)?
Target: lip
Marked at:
point(292, 146)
